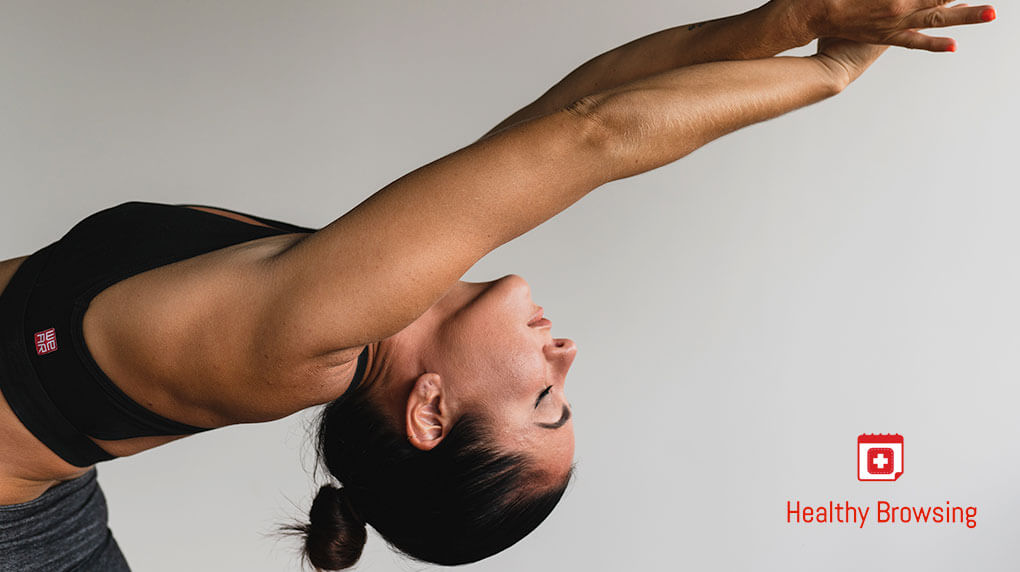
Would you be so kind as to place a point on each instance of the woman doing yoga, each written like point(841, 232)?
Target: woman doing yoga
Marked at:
point(446, 426)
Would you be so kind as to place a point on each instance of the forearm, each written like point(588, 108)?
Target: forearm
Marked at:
point(656, 120)
point(763, 32)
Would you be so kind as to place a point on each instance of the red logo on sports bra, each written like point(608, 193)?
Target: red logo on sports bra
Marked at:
point(46, 341)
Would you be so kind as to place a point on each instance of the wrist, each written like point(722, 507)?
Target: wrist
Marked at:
point(797, 19)
point(834, 70)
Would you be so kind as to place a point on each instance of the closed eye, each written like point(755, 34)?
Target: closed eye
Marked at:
point(563, 420)
point(541, 395)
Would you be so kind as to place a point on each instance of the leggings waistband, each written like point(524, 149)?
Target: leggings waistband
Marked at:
point(65, 529)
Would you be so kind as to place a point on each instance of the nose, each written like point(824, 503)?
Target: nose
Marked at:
point(561, 352)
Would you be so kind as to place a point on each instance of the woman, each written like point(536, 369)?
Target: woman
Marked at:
point(447, 424)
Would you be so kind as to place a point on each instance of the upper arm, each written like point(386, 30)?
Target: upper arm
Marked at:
point(530, 111)
point(374, 270)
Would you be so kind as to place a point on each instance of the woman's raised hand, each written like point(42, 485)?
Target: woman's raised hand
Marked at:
point(889, 22)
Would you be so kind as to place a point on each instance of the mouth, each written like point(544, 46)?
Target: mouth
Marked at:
point(538, 320)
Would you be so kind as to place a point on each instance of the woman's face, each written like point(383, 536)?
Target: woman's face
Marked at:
point(496, 360)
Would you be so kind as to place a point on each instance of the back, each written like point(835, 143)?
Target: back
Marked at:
point(145, 294)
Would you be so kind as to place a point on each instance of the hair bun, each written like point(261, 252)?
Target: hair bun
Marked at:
point(343, 498)
point(336, 534)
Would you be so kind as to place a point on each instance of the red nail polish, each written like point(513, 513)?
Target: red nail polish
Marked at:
point(952, 47)
point(988, 15)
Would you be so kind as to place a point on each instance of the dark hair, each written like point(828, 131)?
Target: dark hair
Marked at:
point(457, 503)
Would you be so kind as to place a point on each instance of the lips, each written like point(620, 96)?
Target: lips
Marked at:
point(537, 319)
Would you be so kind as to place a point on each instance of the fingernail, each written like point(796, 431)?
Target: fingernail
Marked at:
point(988, 15)
point(952, 47)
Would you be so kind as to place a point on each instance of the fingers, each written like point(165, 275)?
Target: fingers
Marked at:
point(941, 17)
point(919, 41)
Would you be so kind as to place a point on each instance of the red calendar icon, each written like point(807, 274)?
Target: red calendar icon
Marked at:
point(879, 457)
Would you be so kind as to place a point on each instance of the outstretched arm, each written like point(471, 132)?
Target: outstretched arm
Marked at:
point(762, 32)
point(379, 267)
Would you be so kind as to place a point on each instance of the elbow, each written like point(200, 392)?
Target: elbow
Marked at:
point(594, 133)
point(590, 121)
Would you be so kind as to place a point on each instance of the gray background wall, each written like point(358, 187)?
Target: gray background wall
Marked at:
point(741, 314)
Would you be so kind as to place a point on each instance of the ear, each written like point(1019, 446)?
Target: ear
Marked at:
point(428, 416)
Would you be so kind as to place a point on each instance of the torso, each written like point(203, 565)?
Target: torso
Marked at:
point(165, 384)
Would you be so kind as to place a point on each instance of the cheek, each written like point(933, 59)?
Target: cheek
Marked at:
point(503, 362)
point(511, 359)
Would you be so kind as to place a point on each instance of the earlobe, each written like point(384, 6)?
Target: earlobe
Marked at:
point(427, 416)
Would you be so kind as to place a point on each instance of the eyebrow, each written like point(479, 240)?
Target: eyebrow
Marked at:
point(563, 419)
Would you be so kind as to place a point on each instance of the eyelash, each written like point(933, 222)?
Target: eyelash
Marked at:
point(544, 392)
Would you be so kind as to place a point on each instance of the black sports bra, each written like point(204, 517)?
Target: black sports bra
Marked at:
point(47, 374)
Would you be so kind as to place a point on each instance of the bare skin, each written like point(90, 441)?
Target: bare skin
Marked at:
point(305, 306)
point(28, 468)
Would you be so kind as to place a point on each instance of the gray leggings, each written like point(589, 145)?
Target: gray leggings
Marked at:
point(64, 530)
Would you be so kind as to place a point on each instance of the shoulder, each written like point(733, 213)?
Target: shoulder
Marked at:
point(269, 369)
point(189, 341)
